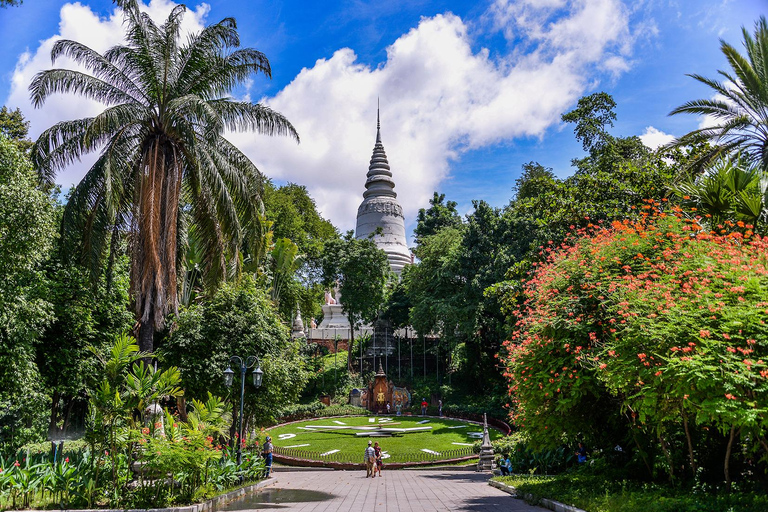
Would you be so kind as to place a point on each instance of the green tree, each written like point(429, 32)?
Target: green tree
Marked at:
point(27, 233)
point(162, 147)
point(14, 127)
point(361, 270)
point(239, 319)
point(294, 215)
point(740, 108)
point(591, 116)
point(439, 215)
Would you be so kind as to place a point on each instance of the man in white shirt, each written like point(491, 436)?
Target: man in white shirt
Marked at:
point(370, 456)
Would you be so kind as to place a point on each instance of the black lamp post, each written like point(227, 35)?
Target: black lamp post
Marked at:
point(257, 375)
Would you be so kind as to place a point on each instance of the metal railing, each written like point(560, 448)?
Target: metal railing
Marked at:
point(398, 457)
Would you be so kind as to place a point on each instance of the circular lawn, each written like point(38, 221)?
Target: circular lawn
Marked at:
point(326, 439)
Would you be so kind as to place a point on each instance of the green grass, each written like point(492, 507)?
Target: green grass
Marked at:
point(595, 493)
point(440, 439)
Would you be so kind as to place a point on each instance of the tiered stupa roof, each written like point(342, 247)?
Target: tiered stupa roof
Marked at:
point(380, 209)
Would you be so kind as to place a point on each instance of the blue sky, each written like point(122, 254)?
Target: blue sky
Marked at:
point(469, 90)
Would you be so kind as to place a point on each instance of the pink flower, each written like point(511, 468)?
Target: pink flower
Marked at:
point(66, 460)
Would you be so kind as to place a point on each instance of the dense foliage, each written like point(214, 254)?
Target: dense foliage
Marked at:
point(635, 331)
point(238, 319)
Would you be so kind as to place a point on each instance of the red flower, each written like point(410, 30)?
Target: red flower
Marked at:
point(16, 464)
point(66, 460)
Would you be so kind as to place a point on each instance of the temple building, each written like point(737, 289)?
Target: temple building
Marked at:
point(380, 215)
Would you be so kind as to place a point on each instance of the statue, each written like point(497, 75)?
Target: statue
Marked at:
point(329, 298)
point(313, 324)
point(380, 397)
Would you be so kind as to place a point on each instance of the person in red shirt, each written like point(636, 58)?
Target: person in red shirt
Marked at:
point(424, 405)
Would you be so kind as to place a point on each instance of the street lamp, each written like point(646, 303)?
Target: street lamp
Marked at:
point(257, 375)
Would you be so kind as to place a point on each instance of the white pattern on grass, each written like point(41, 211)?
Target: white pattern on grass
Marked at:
point(339, 422)
point(424, 421)
point(297, 445)
point(371, 420)
point(463, 444)
point(459, 426)
point(430, 451)
point(283, 437)
point(328, 453)
point(475, 435)
point(384, 455)
point(382, 420)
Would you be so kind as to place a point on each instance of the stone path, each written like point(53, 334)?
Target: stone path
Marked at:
point(397, 491)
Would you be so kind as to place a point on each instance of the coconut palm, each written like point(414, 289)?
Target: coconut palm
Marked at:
point(163, 161)
point(740, 106)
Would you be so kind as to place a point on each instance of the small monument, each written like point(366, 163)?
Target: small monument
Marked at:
point(297, 331)
point(486, 449)
point(333, 313)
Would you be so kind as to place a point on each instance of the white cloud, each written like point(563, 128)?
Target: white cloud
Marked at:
point(653, 137)
point(439, 96)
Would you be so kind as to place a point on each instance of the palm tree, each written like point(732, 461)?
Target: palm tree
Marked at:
point(741, 105)
point(164, 163)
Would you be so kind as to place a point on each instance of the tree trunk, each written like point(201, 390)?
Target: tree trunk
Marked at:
point(147, 334)
point(690, 444)
point(351, 342)
point(68, 415)
point(54, 415)
point(764, 444)
point(727, 467)
point(669, 458)
point(181, 405)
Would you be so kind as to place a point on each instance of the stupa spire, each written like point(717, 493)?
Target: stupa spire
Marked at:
point(380, 216)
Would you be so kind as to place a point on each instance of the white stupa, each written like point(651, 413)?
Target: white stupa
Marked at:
point(380, 215)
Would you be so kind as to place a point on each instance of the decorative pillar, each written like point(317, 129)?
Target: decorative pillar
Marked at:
point(486, 449)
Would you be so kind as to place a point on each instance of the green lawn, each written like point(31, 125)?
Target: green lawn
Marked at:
point(441, 439)
point(601, 493)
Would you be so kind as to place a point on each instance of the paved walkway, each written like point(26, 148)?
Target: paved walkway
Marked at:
point(397, 491)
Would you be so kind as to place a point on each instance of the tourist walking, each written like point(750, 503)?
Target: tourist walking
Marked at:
point(370, 459)
point(424, 405)
point(388, 408)
point(266, 451)
point(379, 459)
point(440, 408)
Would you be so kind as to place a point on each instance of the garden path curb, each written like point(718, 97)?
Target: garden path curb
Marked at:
point(207, 506)
point(546, 503)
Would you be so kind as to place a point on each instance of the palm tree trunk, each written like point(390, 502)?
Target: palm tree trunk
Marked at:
point(147, 333)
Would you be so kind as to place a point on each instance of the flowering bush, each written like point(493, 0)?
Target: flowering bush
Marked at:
point(656, 323)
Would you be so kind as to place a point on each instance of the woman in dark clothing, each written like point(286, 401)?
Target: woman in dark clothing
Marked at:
point(379, 461)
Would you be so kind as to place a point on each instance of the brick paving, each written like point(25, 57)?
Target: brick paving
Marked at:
point(397, 491)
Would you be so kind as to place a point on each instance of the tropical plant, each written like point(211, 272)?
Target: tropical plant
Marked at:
point(728, 191)
point(164, 162)
point(740, 107)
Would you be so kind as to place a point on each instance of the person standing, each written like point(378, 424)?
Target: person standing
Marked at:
point(379, 459)
point(388, 408)
point(266, 451)
point(399, 408)
point(424, 405)
point(370, 458)
point(440, 408)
